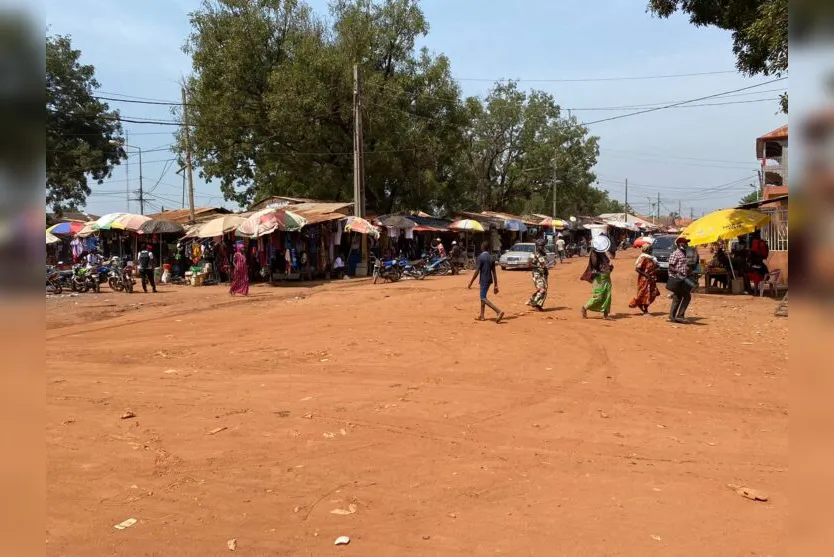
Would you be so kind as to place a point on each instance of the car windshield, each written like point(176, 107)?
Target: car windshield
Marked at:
point(528, 248)
point(663, 242)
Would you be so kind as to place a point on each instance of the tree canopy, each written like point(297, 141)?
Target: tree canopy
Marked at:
point(270, 103)
point(83, 136)
point(759, 28)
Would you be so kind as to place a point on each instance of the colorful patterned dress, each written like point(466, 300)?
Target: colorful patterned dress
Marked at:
point(240, 276)
point(539, 267)
point(647, 290)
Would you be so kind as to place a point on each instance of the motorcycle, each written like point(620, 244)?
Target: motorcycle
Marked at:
point(53, 282)
point(386, 270)
point(127, 280)
point(411, 269)
point(437, 266)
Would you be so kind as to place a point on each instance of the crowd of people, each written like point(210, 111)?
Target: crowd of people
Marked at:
point(681, 282)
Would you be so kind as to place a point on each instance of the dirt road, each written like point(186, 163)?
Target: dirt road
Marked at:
point(387, 414)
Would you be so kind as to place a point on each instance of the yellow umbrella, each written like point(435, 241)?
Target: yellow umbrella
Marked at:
point(725, 224)
point(468, 225)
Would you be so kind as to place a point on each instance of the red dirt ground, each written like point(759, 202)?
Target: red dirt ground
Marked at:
point(545, 435)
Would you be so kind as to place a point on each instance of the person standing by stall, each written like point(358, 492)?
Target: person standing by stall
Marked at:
point(240, 273)
point(145, 264)
point(485, 268)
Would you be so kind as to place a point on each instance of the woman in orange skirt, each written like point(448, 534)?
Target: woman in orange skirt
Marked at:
point(646, 266)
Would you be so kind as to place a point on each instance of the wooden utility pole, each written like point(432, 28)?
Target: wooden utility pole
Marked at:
point(359, 166)
point(658, 206)
point(555, 181)
point(358, 154)
point(625, 207)
point(188, 168)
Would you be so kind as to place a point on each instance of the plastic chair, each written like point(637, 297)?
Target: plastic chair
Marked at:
point(772, 281)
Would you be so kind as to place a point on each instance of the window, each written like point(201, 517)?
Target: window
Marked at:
point(776, 232)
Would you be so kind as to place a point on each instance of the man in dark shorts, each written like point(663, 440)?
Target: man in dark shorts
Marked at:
point(485, 267)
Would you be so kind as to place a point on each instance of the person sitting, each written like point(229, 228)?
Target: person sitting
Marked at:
point(720, 261)
point(339, 267)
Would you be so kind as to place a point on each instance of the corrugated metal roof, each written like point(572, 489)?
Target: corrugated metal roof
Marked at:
point(322, 207)
point(183, 215)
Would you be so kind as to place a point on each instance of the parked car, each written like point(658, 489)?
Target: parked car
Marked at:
point(662, 248)
point(518, 256)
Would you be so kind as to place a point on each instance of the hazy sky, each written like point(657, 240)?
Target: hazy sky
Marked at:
point(685, 154)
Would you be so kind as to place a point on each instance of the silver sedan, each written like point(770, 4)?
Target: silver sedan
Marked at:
point(518, 256)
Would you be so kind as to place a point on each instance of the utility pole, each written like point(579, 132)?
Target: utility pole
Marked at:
point(555, 181)
point(625, 207)
point(359, 165)
point(188, 168)
point(680, 216)
point(691, 213)
point(141, 191)
point(658, 206)
point(127, 176)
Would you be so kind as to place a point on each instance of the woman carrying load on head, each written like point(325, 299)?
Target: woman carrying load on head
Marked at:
point(598, 273)
point(647, 292)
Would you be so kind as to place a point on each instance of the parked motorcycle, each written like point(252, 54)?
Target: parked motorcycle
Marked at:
point(53, 282)
point(127, 280)
point(437, 266)
point(411, 269)
point(386, 270)
point(114, 279)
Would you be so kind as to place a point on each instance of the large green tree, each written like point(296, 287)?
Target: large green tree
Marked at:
point(759, 28)
point(271, 99)
point(82, 133)
point(515, 141)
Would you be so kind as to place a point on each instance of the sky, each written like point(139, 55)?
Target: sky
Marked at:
point(697, 158)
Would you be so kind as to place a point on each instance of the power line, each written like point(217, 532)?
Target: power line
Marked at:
point(592, 79)
point(749, 101)
point(682, 102)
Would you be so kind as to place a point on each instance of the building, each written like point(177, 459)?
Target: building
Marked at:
point(772, 151)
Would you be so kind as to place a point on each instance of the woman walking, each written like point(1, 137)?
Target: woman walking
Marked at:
point(647, 292)
point(538, 263)
point(599, 274)
point(240, 274)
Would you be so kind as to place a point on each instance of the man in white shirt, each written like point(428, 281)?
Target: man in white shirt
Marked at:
point(93, 259)
point(560, 248)
point(339, 267)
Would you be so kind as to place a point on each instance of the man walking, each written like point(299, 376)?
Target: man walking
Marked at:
point(485, 268)
point(145, 264)
point(560, 248)
point(678, 271)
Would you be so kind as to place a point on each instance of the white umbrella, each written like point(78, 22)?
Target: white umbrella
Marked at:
point(218, 226)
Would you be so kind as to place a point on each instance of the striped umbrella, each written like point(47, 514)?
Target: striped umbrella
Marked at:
point(361, 226)
point(467, 225)
point(66, 228)
point(267, 221)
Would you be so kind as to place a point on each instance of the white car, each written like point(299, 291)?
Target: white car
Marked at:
point(518, 256)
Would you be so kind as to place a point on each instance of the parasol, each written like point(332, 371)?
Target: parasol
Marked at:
point(725, 224)
point(161, 226)
point(70, 228)
point(267, 221)
point(397, 221)
point(514, 225)
point(129, 221)
point(555, 224)
point(467, 225)
point(217, 227)
point(50, 239)
point(361, 226)
point(106, 222)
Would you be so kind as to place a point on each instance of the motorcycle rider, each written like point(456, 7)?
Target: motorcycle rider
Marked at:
point(93, 260)
point(441, 251)
point(145, 263)
point(454, 257)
